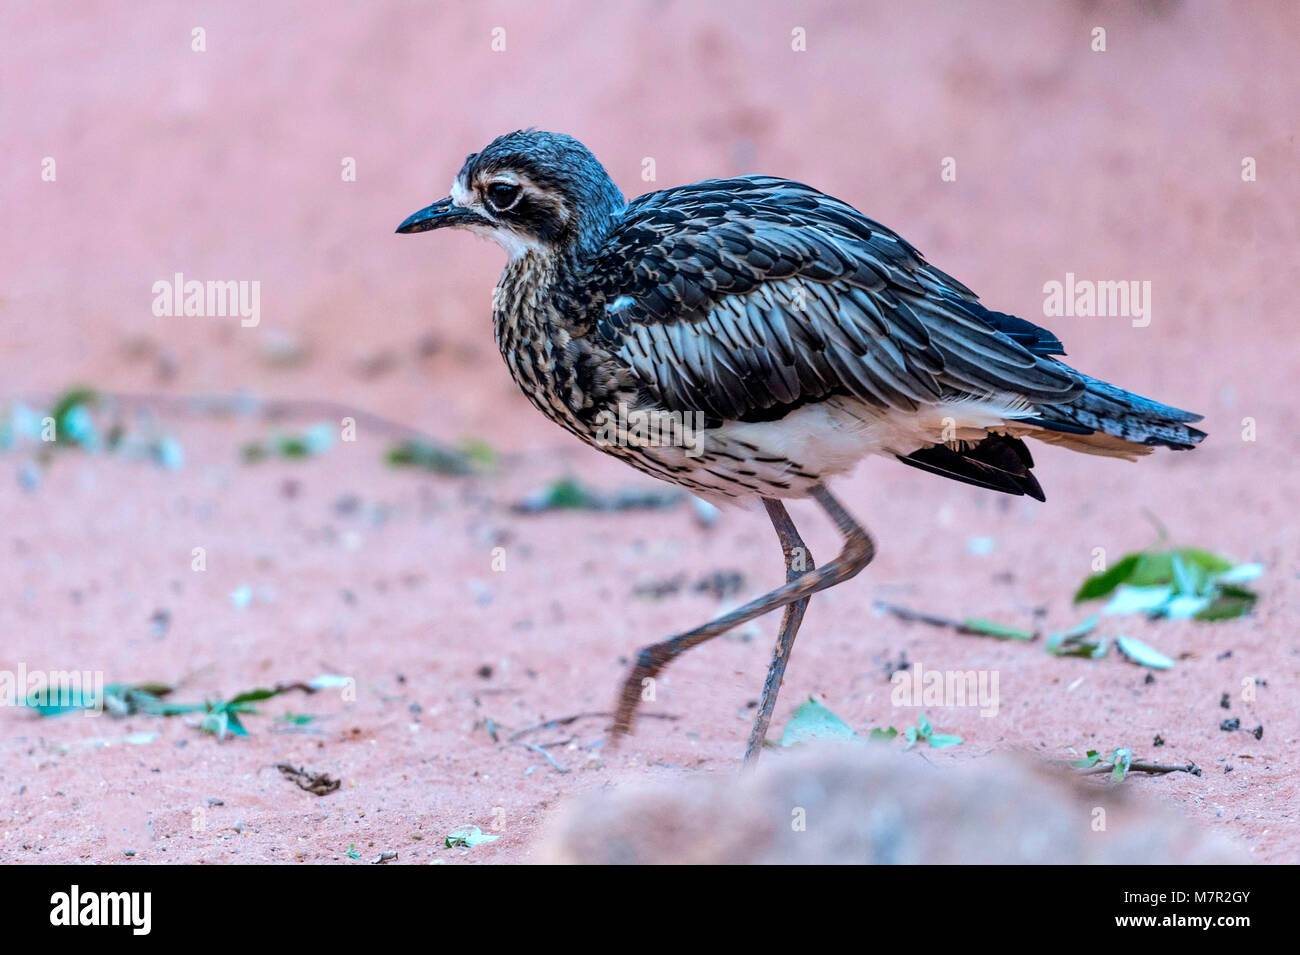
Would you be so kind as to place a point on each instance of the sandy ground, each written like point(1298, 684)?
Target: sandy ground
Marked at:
point(226, 164)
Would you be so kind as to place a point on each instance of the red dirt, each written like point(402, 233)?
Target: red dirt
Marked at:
point(225, 165)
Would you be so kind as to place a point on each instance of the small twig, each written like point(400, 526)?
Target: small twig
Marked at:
point(1155, 769)
point(967, 627)
point(566, 720)
point(320, 784)
point(1159, 525)
point(285, 687)
point(549, 758)
point(904, 613)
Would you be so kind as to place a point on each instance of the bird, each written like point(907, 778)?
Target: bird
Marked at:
point(780, 337)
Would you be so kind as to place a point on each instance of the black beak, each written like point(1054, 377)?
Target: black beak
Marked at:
point(441, 214)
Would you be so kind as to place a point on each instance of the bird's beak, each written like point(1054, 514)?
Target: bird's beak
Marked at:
point(441, 214)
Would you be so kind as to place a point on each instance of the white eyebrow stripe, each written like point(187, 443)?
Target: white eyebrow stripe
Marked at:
point(459, 194)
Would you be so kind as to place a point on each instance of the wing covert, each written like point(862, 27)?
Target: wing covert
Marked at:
point(737, 296)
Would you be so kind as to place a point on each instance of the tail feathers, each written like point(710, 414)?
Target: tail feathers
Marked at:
point(998, 463)
point(1116, 413)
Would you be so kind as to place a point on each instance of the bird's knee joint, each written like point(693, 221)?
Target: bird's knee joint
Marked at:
point(858, 552)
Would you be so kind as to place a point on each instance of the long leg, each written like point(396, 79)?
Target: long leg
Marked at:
point(797, 560)
point(857, 553)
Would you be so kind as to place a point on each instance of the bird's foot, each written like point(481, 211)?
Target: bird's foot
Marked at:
point(639, 686)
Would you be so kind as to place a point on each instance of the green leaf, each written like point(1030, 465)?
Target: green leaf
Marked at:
point(69, 414)
point(319, 437)
point(1184, 606)
point(1240, 574)
point(1088, 761)
point(467, 837)
point(1099, 585)
point(1211, 564)
point(216, 722)
point(292, 446)
point(125, 699)
point(1130, 599)
point(923, 730)
point(1140, 653)
point(429, 457)
point(168, 452)
point(1185, 582)
point(882, 735)
point(329, 681)
point(1082, 628)
point(1122, 758)
point(1072, 642)
point(480, 453)
point(989, 628)
point(236, 727)
point(1231, 602)
point(1180, 583)
point(1153, 569)
point(254, 695)
point(315, 440)
point(71, 398)
point(80, 700)
point(567, 493)
point(813, 721)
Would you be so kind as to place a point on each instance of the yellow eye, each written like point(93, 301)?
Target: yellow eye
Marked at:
point(503, 195)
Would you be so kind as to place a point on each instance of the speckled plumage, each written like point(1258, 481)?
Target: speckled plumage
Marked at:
point(802, 335)
point(747, 300)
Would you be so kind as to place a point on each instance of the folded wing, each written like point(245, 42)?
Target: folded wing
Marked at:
point(743, 298)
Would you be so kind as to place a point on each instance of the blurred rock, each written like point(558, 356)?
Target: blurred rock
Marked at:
point(873, 804)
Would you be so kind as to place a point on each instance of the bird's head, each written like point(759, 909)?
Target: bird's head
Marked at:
point(528, 191)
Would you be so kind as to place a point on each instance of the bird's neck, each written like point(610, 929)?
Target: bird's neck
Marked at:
point(536, 295)
point(520, 299)
point(529, 321)
point(542, 312)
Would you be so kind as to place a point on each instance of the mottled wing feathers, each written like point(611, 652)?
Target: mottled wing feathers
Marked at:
point(1034, 338)
point(743, 296)
point(781, 344)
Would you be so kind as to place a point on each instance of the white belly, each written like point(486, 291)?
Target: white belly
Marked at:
point(786, 458)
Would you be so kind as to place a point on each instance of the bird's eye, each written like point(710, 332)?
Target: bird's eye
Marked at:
point(503, 195)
